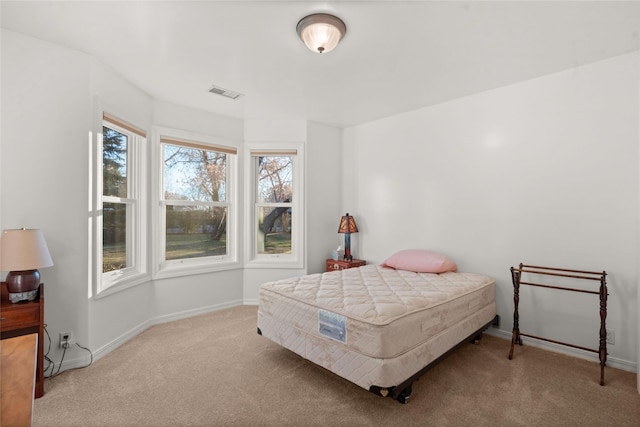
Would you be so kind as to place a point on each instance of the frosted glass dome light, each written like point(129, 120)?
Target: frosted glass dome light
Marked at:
point(321, 32)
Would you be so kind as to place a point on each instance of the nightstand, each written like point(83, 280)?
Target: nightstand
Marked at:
point(333, 265)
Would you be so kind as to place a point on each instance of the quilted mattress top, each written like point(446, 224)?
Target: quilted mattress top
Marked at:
point(377, 294)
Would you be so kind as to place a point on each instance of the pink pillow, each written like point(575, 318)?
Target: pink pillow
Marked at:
point(420, 261)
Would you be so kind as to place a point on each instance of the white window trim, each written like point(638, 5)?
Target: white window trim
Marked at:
point(175, 268)
point(104, 284)
point(297, 257)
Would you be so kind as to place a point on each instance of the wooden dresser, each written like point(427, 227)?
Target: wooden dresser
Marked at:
point(23, 318)
point(17, 368)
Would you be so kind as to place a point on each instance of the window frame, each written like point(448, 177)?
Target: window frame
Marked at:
point(137, 272)
point(163, 268)
point(295, 260)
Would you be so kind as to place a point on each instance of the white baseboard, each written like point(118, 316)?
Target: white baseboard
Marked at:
point(613, 362)
point(85, 359)
point(195, 312)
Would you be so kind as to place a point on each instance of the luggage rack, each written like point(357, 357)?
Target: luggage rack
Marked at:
point(516, 276)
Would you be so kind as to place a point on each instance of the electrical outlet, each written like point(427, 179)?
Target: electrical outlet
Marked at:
point(611, 336)
point(66, 339)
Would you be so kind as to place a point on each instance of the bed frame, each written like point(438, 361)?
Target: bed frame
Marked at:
point(403, 391)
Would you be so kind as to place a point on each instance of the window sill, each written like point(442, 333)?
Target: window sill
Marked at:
point(269, 262)
point(179, 269)
point(126, 282)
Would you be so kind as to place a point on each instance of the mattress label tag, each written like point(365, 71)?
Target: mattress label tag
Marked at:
point(332, 325)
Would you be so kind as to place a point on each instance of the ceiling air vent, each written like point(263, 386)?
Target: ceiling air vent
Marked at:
point(225, 92)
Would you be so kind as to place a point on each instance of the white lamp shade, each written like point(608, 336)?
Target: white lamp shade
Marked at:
point(23, 249)
point(321, 32)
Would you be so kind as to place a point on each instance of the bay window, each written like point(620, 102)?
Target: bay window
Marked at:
point(274, 193)
point(197, 208)
point(120, 235)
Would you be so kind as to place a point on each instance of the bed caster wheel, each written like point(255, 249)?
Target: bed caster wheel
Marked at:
point(404, 395)
point(476, 340)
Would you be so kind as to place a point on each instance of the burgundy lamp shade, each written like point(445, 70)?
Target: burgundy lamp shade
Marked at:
point(22, 252)
point(346, 227)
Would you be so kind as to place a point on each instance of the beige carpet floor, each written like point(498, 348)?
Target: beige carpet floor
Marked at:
point(214, 370)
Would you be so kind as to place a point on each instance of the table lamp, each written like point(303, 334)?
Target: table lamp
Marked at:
point(22, 252)
point(347, 226)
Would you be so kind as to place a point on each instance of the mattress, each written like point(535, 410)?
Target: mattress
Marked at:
point(373, 325)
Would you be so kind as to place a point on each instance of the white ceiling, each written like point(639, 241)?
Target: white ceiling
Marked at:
point(396, 56)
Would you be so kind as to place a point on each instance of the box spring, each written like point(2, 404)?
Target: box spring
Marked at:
point(372, 325)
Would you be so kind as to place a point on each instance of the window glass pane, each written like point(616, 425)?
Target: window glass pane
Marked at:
point(114, 237)
point(274, 230)
point(194, 174)
point(195, 231)
point(114, 163)
point(275, 179)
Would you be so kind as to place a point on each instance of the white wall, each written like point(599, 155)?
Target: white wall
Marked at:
point(638, 260)
point(324, 187)
point(46, 106)
point(49, 103)
point(109, 318)
point(542, 172)
point(322, 190)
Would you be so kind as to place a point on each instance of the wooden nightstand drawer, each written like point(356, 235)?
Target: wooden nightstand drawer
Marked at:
point(335, 265)
point(26, 315)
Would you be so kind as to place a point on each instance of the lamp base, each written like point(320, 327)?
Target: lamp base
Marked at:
point(22, 285)
point(15, 297)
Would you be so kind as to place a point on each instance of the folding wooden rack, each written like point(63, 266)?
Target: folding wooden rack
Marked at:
point(516, 276)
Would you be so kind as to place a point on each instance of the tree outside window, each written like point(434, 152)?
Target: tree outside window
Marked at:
point(120, 238)
point(195, 200)
point(274, 204)
point(114, 205)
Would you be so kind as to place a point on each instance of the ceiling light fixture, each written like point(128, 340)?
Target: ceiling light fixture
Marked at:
point(321, 32)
